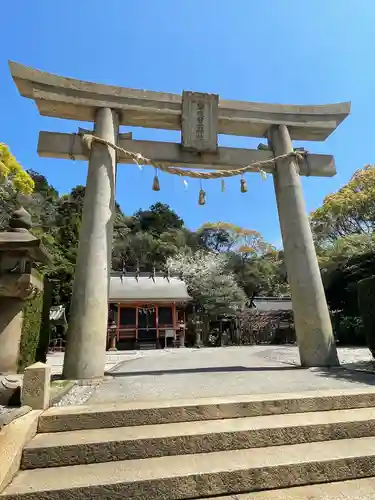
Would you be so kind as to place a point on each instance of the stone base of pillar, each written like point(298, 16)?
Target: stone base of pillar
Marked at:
point(11, 320)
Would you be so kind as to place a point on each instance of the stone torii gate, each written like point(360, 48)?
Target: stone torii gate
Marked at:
point(200, 117)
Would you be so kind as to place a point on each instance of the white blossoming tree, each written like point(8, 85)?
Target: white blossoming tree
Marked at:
point(209, 282)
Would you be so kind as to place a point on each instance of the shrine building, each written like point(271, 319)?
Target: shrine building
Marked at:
point(146, 311)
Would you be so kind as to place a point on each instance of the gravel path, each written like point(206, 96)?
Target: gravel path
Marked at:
point(5, 410)
point(56, 359)
point(194, 373)
point(186, 373)
point(78, 395)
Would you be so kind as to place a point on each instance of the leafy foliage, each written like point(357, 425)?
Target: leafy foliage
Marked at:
point(223, 264)
point(349, 211)
point(227, 237)
point(32, 316)
point(343, 229)
point(261, 275)
point(366, 299)
point(157, 220)
point(12, 173)
point(258, 267)
point(240, 260)
point(147, 239)
point(342, 249)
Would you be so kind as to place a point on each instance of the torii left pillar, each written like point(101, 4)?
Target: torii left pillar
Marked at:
point(88, 320)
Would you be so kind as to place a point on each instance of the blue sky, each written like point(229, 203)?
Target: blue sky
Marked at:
point(284, 51)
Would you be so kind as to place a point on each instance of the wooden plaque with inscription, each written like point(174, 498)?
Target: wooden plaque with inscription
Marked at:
point(199, 121)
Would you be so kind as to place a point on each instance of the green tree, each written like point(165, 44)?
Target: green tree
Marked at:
point(227, 237)
point(12, 172)
point(159, 219)
point(258, 267)
point(351, 210)
point(41, 203)
point(343, 229)
point(340, 250)
point(149, 237)
point(261, 275)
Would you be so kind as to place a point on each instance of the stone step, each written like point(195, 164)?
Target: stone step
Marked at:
point(130, 443)
point(147, 346)
point(126, 414)
point(201, 475)
point(356, 489)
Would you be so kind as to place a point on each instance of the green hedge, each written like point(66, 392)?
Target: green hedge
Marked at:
point(32, 317)
point(366, 302)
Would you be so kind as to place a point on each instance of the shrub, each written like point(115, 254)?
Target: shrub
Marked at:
point(32, 317)
point(366, 302)
point(348, 330)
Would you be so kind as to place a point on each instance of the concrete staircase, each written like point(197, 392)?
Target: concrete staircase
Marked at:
point(203, 448)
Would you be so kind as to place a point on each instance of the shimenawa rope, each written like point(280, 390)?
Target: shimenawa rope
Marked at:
point(168, 167)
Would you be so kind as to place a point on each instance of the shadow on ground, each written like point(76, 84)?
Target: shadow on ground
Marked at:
point(350, 372)
point(211, 369)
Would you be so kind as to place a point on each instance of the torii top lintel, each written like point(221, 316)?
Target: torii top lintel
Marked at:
point(61, 97)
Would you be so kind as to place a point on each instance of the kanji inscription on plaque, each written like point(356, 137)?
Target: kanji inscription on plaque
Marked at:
point(199, 121)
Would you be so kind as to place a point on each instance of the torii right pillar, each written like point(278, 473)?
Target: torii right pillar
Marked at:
point(311, 316)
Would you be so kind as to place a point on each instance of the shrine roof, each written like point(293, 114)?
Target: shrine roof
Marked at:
point(130, 288)
point(272, 303)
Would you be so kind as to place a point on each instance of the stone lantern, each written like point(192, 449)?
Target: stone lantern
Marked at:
point(19, 281)
point(112, 333)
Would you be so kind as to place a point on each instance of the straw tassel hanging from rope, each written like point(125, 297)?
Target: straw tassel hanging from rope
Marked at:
point(222, 185)
point(202, 195)
point(156, 183)
point(243, 185)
